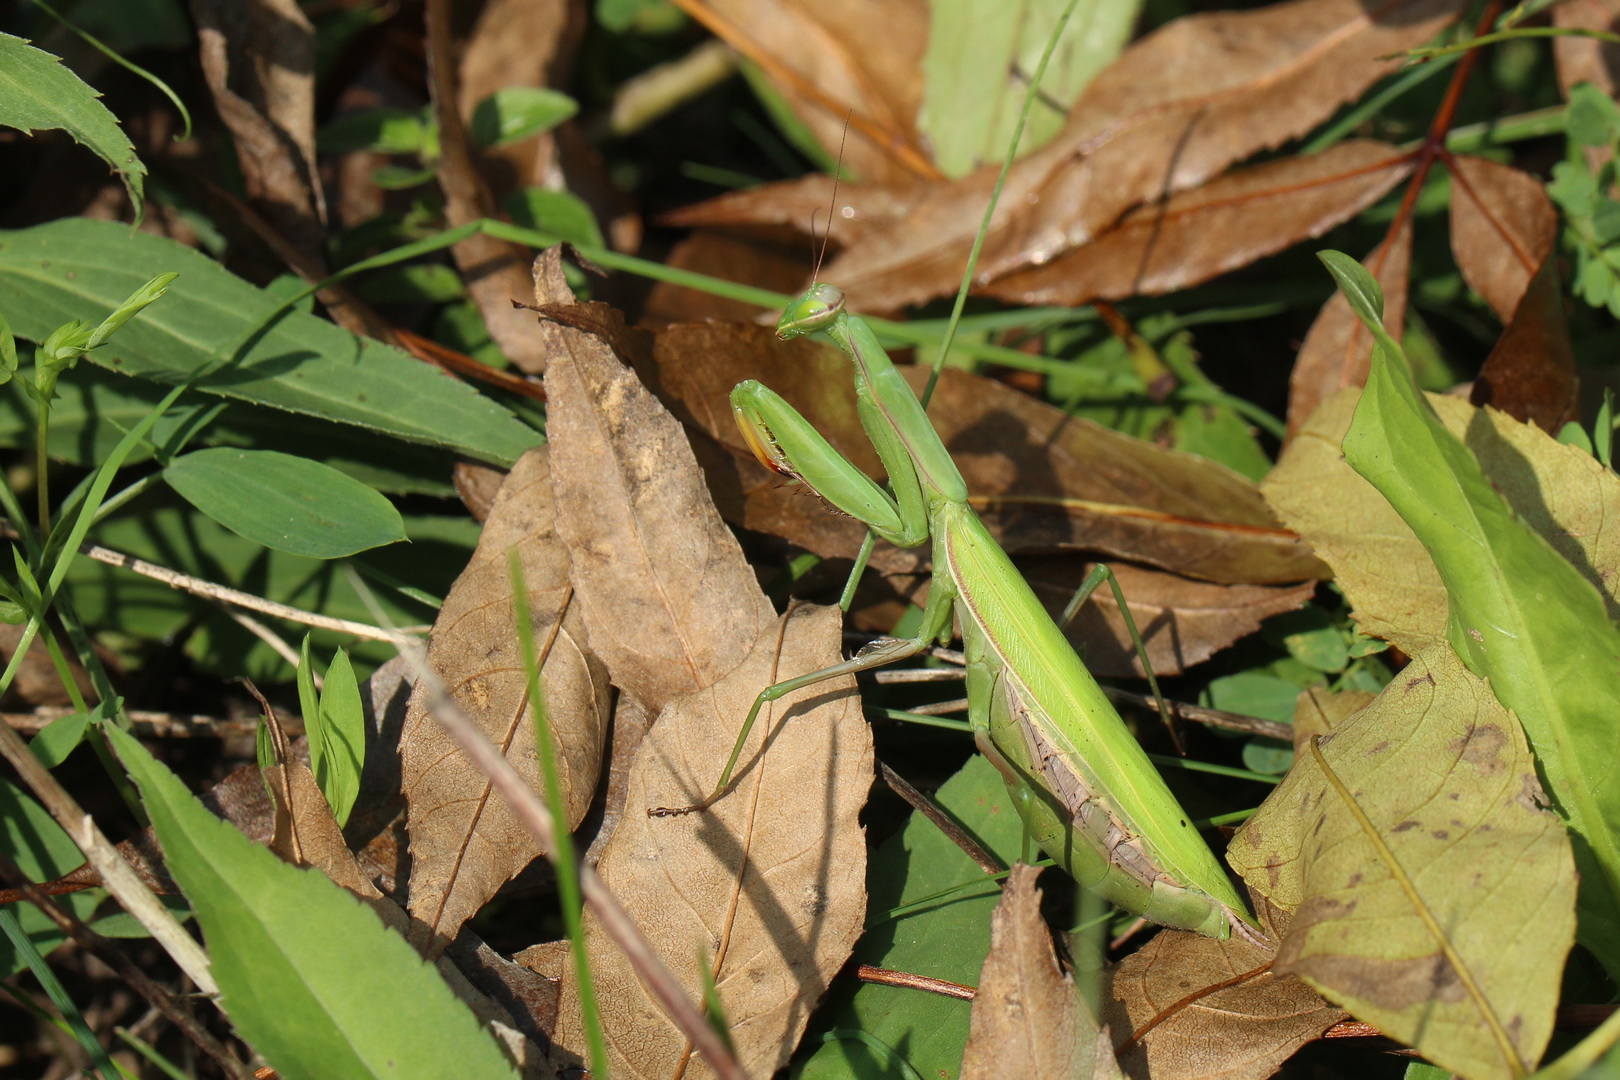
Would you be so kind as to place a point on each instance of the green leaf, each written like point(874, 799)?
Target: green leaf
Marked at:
point(1594, 119)
point(59, 738)
point(284, 502)
point(1519, 614)
point(948, 937)
point(387, 131)
point(339, 751)
point(95, 407)
point(68, 268)
point(307, 973)
point(8, 351)
point(517, 112)
point(976, 71)
point(38, 93)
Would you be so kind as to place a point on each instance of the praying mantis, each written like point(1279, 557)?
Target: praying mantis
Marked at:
point(1083, 785)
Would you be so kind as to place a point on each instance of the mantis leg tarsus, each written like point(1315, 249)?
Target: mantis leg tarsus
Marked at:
point(879, 653)
point(1103, 572)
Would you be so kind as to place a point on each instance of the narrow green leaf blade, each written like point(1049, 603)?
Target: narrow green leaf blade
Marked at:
point(38, 93)
point(75, 267)
point(284, 502)
point(308, 974)
point(343, 720)
point(1520, 615)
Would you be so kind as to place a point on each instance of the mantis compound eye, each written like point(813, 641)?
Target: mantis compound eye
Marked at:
point(814, 310)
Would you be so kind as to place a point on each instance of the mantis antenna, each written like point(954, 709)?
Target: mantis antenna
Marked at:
point(832, 207)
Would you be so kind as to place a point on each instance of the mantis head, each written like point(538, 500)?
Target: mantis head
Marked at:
point(815, 309)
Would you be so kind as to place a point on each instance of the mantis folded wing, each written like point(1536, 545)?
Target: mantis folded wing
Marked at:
point(1085, 788)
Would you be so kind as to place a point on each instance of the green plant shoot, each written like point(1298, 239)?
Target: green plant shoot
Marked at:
point(1086, 790)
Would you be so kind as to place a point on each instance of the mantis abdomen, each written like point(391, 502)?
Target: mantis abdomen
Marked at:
point(1085, 788)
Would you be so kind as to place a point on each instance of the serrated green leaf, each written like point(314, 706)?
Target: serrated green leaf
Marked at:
point(307, 973)
point(37, 93)
point(284, 502)
point(73, 267)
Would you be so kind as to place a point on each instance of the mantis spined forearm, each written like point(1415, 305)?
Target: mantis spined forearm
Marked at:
point(1085, 788)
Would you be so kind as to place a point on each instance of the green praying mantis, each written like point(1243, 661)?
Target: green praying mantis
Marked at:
point(1085, 788)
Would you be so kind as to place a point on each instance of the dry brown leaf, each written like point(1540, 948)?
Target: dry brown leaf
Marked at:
point(1338, 349)
point(1182, 622)
point(1188, 1007)
point(820, 55)
point(1503, 227)
point(769, 883)
point(1561, 491)
point(1042, 479)
point(1029, 1019)
point(631, 721)
point(1318, 711)
point(496, 272)
point(670, 600)
point(1530, 374)
point(1174, 111)
point(465, 842)
point(1227, 223)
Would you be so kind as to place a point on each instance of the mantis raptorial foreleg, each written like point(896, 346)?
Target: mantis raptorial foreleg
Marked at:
point(1088, 793)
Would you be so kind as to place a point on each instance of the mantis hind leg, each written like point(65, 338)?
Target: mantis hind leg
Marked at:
point(1099, 574)
point(935, 622)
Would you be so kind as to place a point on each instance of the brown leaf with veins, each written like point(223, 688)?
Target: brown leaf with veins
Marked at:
point(769, 883)
point(820, 56)
point(1028, 1018)
point(1174, 111)
point(1043, 480)
point(1503, 227)
point(1338, 349)
point(1391, 843)
point(670, 600)
point(1188, 1007)
point(1227, 223)
point(1318, 711)
point(306, 832)
point(465, 842)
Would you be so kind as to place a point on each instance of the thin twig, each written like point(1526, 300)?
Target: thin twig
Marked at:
point(149, 724)
point(884, 977)
point(943, 821)
point(235, 597)
point(117, 876)
point(161, 1000)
